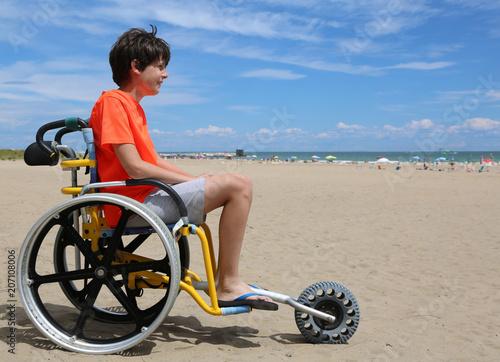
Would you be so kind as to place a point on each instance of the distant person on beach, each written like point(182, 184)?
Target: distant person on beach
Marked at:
point(124, 150)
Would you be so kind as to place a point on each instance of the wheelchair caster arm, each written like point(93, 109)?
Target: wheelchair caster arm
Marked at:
point(285, 299)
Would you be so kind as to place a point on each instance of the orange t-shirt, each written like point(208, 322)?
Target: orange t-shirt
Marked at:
point(117, 118)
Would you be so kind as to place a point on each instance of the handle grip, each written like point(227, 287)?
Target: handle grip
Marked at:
point(72, 123)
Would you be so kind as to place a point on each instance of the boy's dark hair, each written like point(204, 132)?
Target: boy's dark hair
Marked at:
point(136, 44)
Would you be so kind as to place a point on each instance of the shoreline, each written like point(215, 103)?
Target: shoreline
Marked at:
point(385, 165)
point(468, 157)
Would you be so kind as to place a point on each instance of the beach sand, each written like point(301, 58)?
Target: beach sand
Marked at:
point(419, 250)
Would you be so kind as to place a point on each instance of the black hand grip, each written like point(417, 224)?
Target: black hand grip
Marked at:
point(41, 132)
point(71, 123)
point(169, 190)
point(61, 133)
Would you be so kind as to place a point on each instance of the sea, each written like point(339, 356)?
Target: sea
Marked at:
point(361, 156)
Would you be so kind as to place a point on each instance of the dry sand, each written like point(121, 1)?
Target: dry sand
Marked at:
point(419, 250)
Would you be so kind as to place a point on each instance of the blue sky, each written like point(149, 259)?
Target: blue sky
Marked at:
point(267, 75)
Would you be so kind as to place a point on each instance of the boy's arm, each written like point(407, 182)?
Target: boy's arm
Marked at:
point(136, 168)
point(168, 166)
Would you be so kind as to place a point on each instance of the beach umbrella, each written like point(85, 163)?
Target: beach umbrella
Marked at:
point(487, 160)
point(315, 156)
point(294, 157)
point(331, 157)
point(440, 159)
point(383, 159)
point(276, 157)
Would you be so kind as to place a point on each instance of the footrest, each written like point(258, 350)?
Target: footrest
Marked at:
point(236, 310)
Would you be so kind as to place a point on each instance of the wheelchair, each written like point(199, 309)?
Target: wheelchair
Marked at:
point(119, 283)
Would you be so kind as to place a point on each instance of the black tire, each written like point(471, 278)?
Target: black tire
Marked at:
point(334, 299)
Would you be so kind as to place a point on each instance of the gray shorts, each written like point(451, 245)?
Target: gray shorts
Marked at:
point(193, 195)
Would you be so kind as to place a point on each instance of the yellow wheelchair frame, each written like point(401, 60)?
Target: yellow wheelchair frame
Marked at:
point(145, 279)
point(325, 312)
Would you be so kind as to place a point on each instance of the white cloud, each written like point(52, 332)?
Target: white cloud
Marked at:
point(327, 135)
point(476, 124)
point(156, 131)
point(421, 65)
point(47, 81)
point(221, 28)
point(422, 124)
point(212, 131)
point(481, 124)
point(353, 127)
point(208, 15)
point(483, 4)
point(293, 131)
point(262, 137)
point(263, 132)
point(439, 50)
point(391, 129)
point(429, 128)
point(410, 129)
point(220, 23)
point(283, 74)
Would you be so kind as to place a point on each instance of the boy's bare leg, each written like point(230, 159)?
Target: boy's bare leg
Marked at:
point(233, 192)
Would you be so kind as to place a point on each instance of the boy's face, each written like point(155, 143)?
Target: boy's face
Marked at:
point(152, 77)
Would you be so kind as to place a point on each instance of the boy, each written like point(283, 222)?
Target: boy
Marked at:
point(124, 150)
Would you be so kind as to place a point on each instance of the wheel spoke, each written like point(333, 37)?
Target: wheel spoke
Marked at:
point(155, 265)
point(81, 244)
point(130, 307)
point(64, 276)
point(94, 288)
point(116, 239)
point(134, 244)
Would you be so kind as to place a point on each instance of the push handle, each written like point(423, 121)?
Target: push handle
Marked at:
point(41, 132)
point(72, 123)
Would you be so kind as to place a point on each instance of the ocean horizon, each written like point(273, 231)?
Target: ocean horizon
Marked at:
point(358, 156)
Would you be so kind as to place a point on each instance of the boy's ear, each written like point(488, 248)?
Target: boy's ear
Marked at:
point(134, 66)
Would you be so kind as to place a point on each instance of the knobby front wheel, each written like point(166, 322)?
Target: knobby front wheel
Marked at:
point(333, 299)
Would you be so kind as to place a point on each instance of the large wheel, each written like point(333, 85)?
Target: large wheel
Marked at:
point(333, 299)
point(98, 290)
point(64, 252)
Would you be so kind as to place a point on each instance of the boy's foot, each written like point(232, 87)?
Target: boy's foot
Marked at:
point(254, 303)
point(241, 294)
